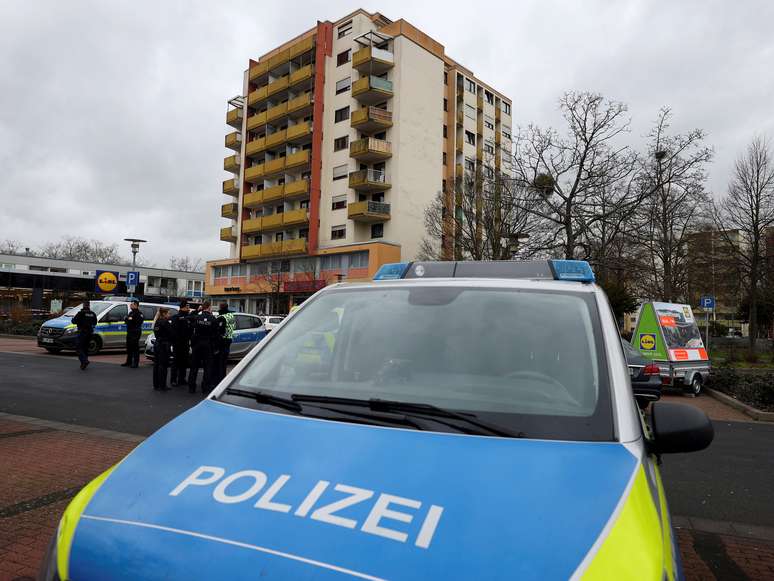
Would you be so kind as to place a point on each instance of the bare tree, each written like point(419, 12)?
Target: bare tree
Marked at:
point(744, 217)
point(185, 263)
point(671, 178)
point(76, 248)
point(569, 171)
point(8, 246)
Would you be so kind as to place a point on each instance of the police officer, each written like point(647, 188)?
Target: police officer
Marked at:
point(85, 320)
point(204, 327)
point(164, 336)
point(181, 325)
point(133, 333)
point(225, 334)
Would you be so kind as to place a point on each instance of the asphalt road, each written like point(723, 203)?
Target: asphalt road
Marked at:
point(731, 481)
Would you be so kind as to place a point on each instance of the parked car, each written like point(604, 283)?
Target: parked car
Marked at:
point(272, 321)
point(645, 376)
point(249, 330)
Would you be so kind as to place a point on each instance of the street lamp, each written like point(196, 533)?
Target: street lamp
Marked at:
point(135, 245)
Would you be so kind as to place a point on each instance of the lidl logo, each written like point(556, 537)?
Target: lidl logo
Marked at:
point(647, 341)
point(106, 281)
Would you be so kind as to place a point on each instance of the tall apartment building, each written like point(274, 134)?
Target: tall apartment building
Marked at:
point(342, 138)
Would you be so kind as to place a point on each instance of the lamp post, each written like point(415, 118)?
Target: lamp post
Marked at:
point(135, 245)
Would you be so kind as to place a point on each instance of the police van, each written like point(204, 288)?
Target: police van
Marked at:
point(60, 334)
point(450, 420)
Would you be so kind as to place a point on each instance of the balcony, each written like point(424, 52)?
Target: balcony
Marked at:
point(301, 47)
point(371, 89)
point(480, 125)
point(273, 194)
point(498, 137)
point(300, 105)
point(253, 199)
point(297, 246)
point(297, 189)
point(370, 149)
point(276, 86)
point(460, 117)
point(300, 132)
point(251, 226)
point(232, 164)
point(251, 251)
point(255, 98)
point(372, 60)
point(371, 119)
point(255, 146)
point(368, 212)
point(255, 174)
point(277, 112)
point(256, 121)
point(271, 249)
point(272, 222)
point(295, 217)
point(228, 234)
point(275, 139)
point(234, 118)
point(369, 180)
point(229, 210)
point(480, 101)
point(258, 71)
point(274, 166)
point(298, 159)
point(459, 171)
point(498, 114)
point(278, 59)
point(301, 75)
point(231, 187)
point(234, 140)
point(458, 145)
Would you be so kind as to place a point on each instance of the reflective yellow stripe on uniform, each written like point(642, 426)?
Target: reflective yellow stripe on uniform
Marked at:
point(69, 522)
point(634, 546)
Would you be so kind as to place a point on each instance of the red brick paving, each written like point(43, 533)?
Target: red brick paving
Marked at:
point(714, 408)
point(30, 347)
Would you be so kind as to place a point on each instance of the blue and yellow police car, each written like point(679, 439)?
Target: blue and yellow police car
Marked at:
point(450, 420)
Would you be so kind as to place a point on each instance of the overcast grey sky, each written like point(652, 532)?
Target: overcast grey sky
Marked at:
point(112, 113)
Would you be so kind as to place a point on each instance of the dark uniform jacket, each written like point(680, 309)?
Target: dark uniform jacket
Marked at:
point(182, 326)
point(134, 323)
point(163, 331)
point(85, 321)
point(205, 328)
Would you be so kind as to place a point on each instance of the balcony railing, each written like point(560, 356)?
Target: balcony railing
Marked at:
point(251, 251)
point(371, 119)
point(272, 222)
point(372, 60)
point(276, 112)
point(229, 210)
point(301, 47)
point(273, 194)
point(370, 149)
point(295, 217)
point(297, 246)
point(258, 70)
point(251, 226)
point(498, 114)
point(255, 146)
point(276, 86)
point(460, 117)
point(275, 139)
point(371, 89)
point(299, 103)
point(253, 199)
point(274, 166)
point(298, 188)
point(228, 234)
point(257, 96)
point(368, 211)
point(278, 59)
point(271, 249)
point(234, 140)
point(256, 120)
point(231, 187)
point(301, 75)
point(234, 118)
point(255, 174)
point(298, 159)
point(232, 163)
point(369, 180)
point(299, 131)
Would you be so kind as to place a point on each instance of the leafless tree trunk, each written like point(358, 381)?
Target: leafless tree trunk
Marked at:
point(745, 216)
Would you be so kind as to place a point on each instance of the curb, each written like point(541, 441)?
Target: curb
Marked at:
point(754, 413)
point(98, 432)
point(735, 529)
point(27, 337)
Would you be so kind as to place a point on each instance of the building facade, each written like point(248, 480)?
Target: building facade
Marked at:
point(343, 137)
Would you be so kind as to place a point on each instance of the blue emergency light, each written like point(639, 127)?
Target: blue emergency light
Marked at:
point(568, 270)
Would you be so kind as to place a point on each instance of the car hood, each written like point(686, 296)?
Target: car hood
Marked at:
point(59, 323)
point(231, 493)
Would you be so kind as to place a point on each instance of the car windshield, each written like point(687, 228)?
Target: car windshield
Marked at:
point(96, 306)
point(526, 359)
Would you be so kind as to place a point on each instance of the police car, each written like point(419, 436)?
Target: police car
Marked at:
point(60, 334)
point(447, 421)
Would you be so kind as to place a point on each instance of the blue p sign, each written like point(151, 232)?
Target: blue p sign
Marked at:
point(132, 278)
point(707, 302)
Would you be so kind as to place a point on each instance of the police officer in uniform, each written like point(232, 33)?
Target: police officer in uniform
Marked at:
point(181, 325)
point(164, 336)
point(204, 327)
point(85, 320)
point(225, 334)
point(133, 333)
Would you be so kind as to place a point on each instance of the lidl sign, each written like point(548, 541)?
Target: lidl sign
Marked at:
point(105, 281)
point(647, 341)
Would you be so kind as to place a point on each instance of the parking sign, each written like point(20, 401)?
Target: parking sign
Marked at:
point(132, 280)
point(707, 302)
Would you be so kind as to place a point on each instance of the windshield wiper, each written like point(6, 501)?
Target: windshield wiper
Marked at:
point(266, 398)
point(424, 410)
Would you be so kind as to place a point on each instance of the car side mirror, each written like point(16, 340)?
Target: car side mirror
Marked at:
point(679, 428)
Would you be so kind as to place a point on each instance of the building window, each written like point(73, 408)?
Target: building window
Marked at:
point(343, 57)
point(488, 173)
point(470, 165)
point(489, 97)
point(443, 185)
point(470, 137)
point(342, 86)
point(358, 259)
point(303, 233)
point(341, 115)
point(445, 78)
point(278, 237)
point(339, 232)
point(470, 86)
point(340, 143)
point(445, 131)
point(470, 112)
point(446, 104)
point(488, 123)
point(340, 172)
point(507, 132)
point(488, 147)
point(344, 29)
point(377, 230)
point(339, 202)
point(506, 108)
point(444, 158)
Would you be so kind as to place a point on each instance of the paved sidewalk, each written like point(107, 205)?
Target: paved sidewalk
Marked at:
point(29, 346)
point(715, 409)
